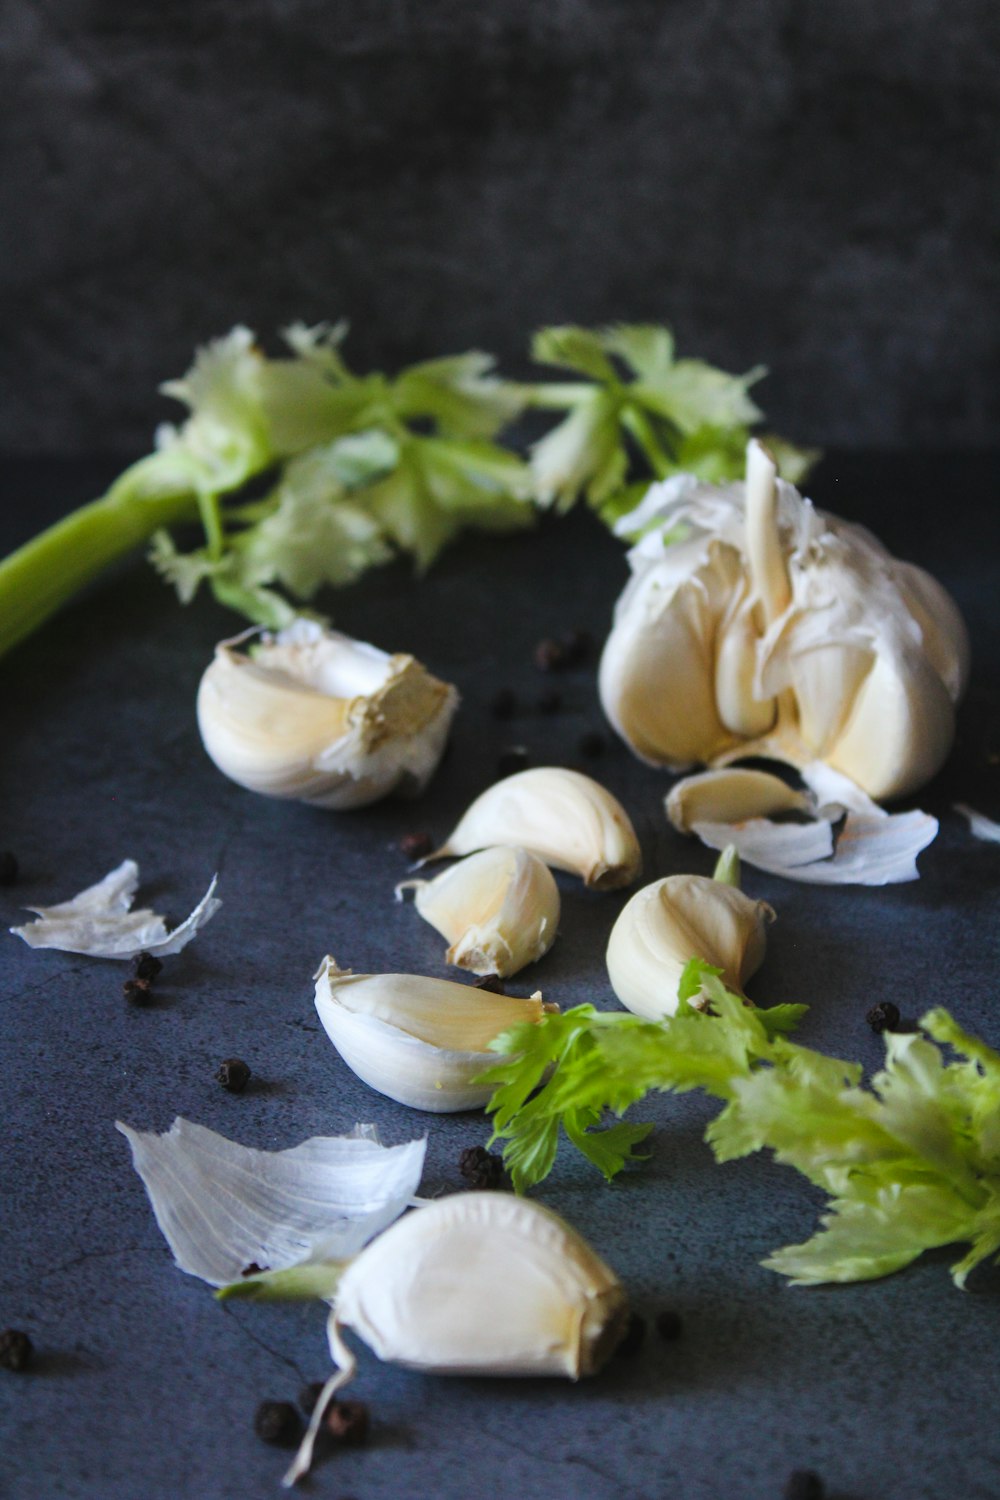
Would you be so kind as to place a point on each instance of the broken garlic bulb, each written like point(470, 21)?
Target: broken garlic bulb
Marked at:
point(316, 716)
point(569, 820)
point(674, 920)
point(418, 1040)
point(773, 629)
point(499, 909)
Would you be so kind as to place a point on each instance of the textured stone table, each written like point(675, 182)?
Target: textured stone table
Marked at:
point(145, 1387)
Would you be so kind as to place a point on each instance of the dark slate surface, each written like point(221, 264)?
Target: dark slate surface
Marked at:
point(143, 1385)
point(808, 185)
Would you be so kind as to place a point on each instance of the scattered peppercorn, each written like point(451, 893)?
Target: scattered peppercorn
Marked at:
point(233, 1074)
point(804, 1484)
point(504, 704)
point(16, 1349)
point(8, 868)
point(514, 759)
point(669, 1325)
point(549, 702)
point(279, 1423)
point(481, 1169)
point(492, 983)
point(550, 656)
point(416, 845)
point(309, 1395)
point(591, 745)
point(137, 991)
point(883, 1017)
point(347, 1422)
point(146, 966)
point(633, 1338)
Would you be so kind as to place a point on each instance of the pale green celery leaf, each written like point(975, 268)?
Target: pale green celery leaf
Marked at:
point(778, 1020)
point(609, 1149)
point(226, 434)
point(574, 348)
point(814, 1127)
point(584, 452)
point(303, 405)
point(310, 541)
point(714, 454)
point(360, 457)
point(408, 514)
point(532, 1048)
point(979, 1078)
point(459, 393)
point(186, 571)
point(262, 605)
point(621, 502)
point(223, 1207)
point(692, 394)
point(529, 1155)
point(985, 1241)
point(492, 473)
point(865, 1239)
point(794, 463)
point(319, 343)
point(648, 348)
point(816, 1069)
point(926, 1106)
point(692, 978)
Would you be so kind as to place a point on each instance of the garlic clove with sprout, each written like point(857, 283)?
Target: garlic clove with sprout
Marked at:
point(673, 920)
point(567, 819)
point(498, 909)
point(418, 1040)
point(772, 629)
point(314, 715)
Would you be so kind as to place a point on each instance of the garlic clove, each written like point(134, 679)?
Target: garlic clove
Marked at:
point(567, 819)
point(731, 795)
point(319, 717)
point(418, 1040)
point(681, 917)
point(498, 909)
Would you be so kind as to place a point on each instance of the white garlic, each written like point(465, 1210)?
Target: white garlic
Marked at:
point(569, 820)
point(674, 920)
point(476, 1284)
point(420, 1041)
point(729, 796)
point(319, 717)
point(772, 629)
point(498, 909)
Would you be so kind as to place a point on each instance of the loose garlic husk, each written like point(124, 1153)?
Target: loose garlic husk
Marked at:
point(569, 820)
point(418, 1040)
point(498, 909)
point(775, 630)
point(674, 920)
point(319, 717)
point(476, 1284)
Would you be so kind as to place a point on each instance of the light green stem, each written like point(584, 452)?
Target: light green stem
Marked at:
point(638, 424)
point(47, 571)
point(727, 867)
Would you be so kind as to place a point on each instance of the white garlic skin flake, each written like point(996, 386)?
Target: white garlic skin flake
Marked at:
point(673, 920)
point(484, 1284)
point(318, 717)
point(498, 909)
point(773, 629)
point(418, 1040)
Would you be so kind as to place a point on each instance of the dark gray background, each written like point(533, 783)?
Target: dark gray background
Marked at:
point(812, 185)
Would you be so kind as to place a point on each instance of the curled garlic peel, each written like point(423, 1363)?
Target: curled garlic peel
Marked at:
point(319, 717)
point(498, 909)
point(673, 920)
point(775, 630)
point(418, 1040)
point(567, 819)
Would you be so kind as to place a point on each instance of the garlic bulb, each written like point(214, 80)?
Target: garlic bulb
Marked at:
point(775, 630)
point(475, 1284)
point(499, 909)
point(418, 1040)
point(567, 819)
point(677, 919)
point(322, 718)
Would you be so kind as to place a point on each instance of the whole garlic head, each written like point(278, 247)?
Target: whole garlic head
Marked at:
point(773, 629)
point(316, 716)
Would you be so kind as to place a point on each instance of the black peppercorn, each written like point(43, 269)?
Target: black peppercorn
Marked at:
point(146, 966)
point(137, 991)
point(804, 1484)
point(883, 1017)
point(8, 868)
point(669, 1325)
point(416, 845)
point(504, 704)
point(233, 1074)
point(279, 1423)
point(347, 1422)
point(16, 1349)
point(492, 983)
point(481, 1168)
point(550, 656)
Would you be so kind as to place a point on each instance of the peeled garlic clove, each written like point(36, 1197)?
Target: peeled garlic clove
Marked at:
point(567, 819)
point(499, 909)
point(674, 920)
point(731, 795)
point(319, 717)
point(418, 1040)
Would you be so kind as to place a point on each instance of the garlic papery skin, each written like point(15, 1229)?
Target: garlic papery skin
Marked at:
point(730, 796)
point(567, 819)
point(418, 1040)
point(773, 629)
point(676, 919)
point(498, 909)
point(316, 716)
